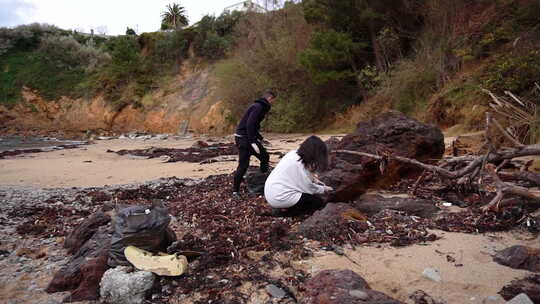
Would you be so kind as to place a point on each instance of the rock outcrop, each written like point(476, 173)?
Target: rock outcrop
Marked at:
point(342, 287)
point(519, 257)
point(390, 133)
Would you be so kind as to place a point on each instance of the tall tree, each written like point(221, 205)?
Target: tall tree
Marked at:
point(174, 17)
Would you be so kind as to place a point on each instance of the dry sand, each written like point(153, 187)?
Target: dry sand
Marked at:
point(395, 271)
point(398, 271)
point(92, 166)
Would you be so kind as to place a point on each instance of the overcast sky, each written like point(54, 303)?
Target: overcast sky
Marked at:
point(113, 16)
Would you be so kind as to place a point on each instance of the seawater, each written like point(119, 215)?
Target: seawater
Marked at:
point(8, 143)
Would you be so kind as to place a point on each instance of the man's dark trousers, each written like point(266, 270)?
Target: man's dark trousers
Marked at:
point(244, 153)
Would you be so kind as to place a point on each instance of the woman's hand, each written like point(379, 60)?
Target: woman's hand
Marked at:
point(328, 189)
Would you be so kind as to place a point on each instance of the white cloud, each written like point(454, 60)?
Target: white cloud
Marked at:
point(14, 12)
point(115, 15)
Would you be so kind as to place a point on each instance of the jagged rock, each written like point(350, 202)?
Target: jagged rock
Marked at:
point(529, 286)
point(519, 257)
point(372, 204)
point(84, 270)
point(119, 286)
point(392, 132)
point(331, 221)
point(85, 231)
point(342, 287)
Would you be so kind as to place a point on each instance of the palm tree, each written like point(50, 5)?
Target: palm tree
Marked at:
point(174, 16)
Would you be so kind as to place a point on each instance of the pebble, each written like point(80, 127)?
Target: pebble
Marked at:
point(359, 294)
point(275, 291)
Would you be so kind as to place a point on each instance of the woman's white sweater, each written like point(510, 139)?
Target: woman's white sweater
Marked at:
point(288, 181)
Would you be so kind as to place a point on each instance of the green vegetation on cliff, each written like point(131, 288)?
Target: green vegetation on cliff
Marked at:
point(329, 61)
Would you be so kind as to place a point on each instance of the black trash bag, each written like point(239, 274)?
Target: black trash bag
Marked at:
point(145, 227)
point(255, 180)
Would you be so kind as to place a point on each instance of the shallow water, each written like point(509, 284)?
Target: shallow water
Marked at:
point(8, 143)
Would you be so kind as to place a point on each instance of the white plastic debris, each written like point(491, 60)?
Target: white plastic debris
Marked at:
point(447, 204)
point(432, 274)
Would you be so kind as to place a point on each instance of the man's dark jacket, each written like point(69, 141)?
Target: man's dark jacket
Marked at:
point(250, 124)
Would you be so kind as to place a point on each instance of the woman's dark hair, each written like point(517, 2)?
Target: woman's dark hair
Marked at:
point(314, 154)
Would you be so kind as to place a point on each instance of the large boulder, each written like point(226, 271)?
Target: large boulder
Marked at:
point(519, 257)
point(342, 287)
point(394, 133)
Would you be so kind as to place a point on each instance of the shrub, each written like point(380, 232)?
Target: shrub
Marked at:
point(515, 74)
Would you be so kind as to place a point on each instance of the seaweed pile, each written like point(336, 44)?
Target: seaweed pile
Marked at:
point(239, 242)
point(195, 154)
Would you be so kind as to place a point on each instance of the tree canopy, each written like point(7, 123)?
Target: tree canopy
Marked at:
point(174, 17)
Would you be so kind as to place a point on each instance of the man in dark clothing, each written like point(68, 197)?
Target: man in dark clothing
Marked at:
point(249, 140)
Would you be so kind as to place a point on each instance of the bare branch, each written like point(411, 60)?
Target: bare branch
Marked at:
point(504, 188)
point(508, 136)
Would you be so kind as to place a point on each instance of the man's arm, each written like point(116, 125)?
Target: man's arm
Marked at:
point(252, 124)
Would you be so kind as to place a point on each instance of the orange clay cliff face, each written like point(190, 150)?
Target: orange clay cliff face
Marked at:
point(190, 100)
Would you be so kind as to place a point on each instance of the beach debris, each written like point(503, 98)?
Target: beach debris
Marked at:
point(371, 204)
point(340, 287)
point(255, 180)
point(143, 226)
point(529, 285)
point(432, 274)
point(120, 286)
point(519, 257)
point(520, 299)
point(390, 133)
point(162, 265)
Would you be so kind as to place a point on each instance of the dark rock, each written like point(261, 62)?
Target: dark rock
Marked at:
point(85, 231)
point(332, 143)
point(255, 180)
point(84, 270)
point(390, 133)
point(519, 257)
point(529, 286)
point(342, 287)
point(421, 297)
point(373, 204)
point(332, 221)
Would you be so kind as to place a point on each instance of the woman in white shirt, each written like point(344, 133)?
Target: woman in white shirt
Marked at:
point(292, 188)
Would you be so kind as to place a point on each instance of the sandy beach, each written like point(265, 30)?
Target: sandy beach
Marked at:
point(394, 271)
point(93, 166)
